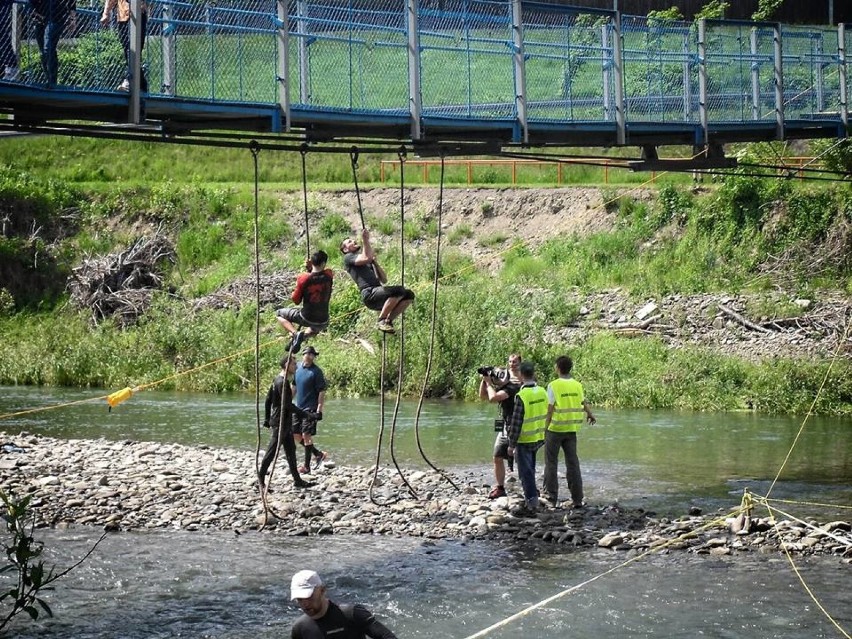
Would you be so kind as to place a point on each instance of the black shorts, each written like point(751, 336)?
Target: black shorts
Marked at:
point(374, 298)
point(304, 426)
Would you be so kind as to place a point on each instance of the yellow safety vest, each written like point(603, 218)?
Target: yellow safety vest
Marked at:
point(535, 412)
point(568, 409)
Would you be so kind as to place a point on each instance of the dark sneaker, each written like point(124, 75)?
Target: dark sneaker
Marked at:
point(553, 502)
point(524, 511)
point(498, 491)
point(302, 484)
point(385, 326)
point(320, 460)
point(296, 342)
point(577, 505)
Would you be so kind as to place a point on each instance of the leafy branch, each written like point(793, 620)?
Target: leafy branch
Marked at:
point(23, 552)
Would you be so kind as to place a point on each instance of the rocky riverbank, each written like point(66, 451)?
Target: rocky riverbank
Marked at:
point(148, 486)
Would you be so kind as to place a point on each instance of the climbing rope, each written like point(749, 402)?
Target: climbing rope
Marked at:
point(400, 359)
point(433, 323)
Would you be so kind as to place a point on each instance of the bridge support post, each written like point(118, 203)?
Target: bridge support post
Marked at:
point(687, 85)
point(415, 102)
point(618, 67)
point(304, 59)
point(520, 69)
point(135, 112)
point(282, 76)
point(755, 76)
point(844, 75)
point(168, 45)
point(779, 82)
point(702, 80)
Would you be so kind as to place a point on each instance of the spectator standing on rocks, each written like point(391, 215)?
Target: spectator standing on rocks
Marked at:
point(279, 411)
point(526, 434)
point(310, 396)
point(313, 292)
point(501, 390)
point(323, 618)
point(565, 412)
point(360, 262)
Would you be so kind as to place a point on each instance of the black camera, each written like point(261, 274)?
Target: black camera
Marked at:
point(497, 375)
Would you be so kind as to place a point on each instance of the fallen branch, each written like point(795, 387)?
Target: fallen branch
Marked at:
point(742, 320)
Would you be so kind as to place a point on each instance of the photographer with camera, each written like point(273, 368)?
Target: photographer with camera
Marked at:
point(499, 386)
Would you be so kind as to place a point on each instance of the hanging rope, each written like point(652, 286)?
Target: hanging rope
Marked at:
point(400, 359)
point(254, 147)
point(353, 156)
point(304, 152)
point(430, 356)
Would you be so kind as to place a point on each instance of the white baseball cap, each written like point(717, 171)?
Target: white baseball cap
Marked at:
point(303, 584)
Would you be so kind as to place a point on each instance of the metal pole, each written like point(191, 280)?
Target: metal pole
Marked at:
point(135, 63)
point(520, 73)
point(283, 77)
point(304, 62)
point(168, 45)
point(702, 79)
point(844, 74)
point(415, 100)
point(755, 77)
point(779, 82)
point(618, 65)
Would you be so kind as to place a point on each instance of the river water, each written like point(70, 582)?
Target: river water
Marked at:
point(170, 584)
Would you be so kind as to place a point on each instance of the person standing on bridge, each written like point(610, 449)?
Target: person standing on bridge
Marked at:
point(8, 58)
point(50, 18)
point(360, 262)
point(122, 8)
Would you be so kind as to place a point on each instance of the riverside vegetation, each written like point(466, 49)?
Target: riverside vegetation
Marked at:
point(512, 279)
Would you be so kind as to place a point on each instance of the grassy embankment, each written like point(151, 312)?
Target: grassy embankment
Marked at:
point(89, 197)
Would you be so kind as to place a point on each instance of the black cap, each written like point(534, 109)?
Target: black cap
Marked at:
point(310, 350)
point(527, 369)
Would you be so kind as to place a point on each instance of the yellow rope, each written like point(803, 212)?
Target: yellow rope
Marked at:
point(806, 503)
point(567, 591)
point(801, 579)
point(840, 344)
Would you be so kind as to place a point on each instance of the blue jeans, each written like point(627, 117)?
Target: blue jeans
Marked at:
point(48, 30)
point(525, 458)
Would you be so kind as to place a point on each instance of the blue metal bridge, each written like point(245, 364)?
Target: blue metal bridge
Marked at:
point(499, 72)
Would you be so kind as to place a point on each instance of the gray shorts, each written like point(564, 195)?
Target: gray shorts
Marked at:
point(501, 446)
point(294, 314)
point(304, 426)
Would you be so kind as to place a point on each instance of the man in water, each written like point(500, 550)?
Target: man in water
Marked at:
point(360, 262)
point(324, 618)
point(313, 292)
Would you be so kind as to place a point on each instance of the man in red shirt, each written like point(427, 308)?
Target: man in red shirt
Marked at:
point(313, 292)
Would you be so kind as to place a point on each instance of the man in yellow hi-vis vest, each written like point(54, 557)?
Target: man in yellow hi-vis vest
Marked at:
point(565, 412)
point(526, 435)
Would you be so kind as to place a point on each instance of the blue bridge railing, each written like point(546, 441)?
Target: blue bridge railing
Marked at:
point(527, 66)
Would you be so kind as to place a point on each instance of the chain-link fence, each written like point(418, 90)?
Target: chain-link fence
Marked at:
point(569, 67)
point(356, 56)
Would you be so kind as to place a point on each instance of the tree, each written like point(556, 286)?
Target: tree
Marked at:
point(766, 9)
point(31, 577)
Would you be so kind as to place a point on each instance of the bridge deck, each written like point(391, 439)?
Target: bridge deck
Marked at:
point(495, 71)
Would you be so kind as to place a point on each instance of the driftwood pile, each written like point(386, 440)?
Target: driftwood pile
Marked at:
point(275, 291)
point(121, 285)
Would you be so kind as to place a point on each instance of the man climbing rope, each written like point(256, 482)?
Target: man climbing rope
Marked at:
point(360, 262)
point(313, 292)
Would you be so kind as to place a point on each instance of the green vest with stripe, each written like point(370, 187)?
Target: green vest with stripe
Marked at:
point(568, 408)
point(535, 413)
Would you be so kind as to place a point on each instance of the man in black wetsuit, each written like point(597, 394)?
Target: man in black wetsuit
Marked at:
point(279, 413)
point(324, 618)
